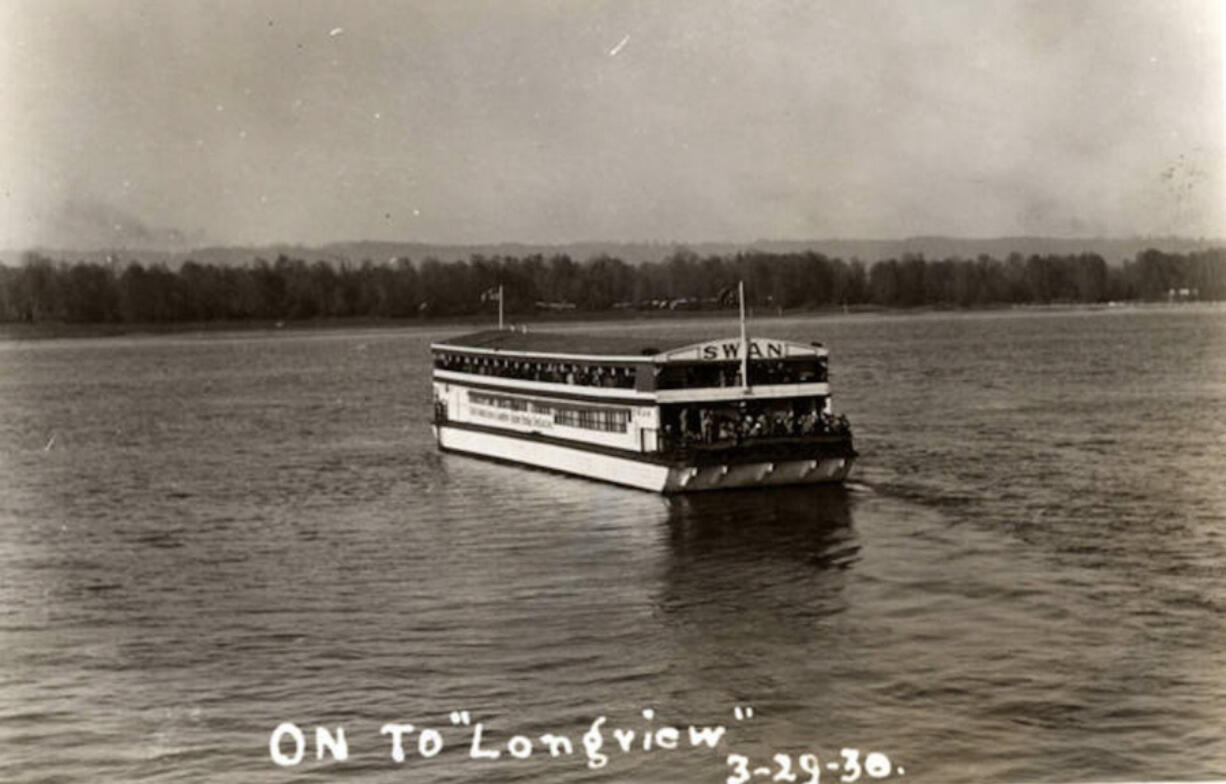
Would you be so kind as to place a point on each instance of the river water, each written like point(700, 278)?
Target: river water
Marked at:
point(202, 537)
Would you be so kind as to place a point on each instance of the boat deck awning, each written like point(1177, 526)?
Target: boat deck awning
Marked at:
point(625, 348)
point(571, 343)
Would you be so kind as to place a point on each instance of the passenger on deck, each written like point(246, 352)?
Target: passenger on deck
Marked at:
point(781, 427)
point(684, 419)
point(757, 426)
point(827, 423)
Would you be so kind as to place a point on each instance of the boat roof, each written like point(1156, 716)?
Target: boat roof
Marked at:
point(621, 347)
point(584, 344)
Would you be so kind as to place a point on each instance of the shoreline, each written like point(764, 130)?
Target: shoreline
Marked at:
point(19, 332)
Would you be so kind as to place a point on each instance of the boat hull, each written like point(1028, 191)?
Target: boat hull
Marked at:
point(642, 472)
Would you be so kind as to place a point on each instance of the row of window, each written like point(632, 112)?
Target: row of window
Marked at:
point(612, 420)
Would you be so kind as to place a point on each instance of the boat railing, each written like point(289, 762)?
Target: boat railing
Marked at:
point(574, 373)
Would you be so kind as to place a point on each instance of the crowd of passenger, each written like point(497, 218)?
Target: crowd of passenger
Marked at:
point(791, 372)
point(531, 370)
point(709, 426)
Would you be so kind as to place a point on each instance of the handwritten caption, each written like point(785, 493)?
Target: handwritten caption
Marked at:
point(287, 747)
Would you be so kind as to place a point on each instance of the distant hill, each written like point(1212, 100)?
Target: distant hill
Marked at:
point(1114, 250)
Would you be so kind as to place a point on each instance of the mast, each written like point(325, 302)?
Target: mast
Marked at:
point(744, 341)
point(499, 307)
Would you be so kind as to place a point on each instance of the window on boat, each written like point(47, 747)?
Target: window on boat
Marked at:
point(699, 375)
point(810, 370)
point(696, 375)
point(605, 418)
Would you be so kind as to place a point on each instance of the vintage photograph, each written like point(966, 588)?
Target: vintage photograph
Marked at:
point(622, 391)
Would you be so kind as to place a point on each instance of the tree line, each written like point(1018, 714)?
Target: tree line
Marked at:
point(42, 289)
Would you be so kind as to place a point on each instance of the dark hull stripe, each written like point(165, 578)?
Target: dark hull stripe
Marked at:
point(833, 446)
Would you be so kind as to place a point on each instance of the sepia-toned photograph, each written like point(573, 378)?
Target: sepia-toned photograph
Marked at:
point(627, 391)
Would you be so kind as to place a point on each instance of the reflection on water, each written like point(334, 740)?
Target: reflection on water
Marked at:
point(203, 537)
point(762, 567)
point(791, 524)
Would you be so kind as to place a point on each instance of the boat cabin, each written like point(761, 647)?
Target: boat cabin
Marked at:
point(656, 395)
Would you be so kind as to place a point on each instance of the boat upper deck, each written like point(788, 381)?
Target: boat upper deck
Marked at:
point(623, 348)
point(640, 348)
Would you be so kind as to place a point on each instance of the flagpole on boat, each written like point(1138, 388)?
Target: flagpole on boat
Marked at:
point(744, 341)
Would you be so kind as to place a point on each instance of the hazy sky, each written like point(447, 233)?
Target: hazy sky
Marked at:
point(675, 120)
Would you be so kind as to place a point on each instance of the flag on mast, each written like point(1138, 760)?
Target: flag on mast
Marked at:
point(492, 294)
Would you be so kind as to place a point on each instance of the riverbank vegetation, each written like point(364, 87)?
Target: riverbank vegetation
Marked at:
point(46, 290)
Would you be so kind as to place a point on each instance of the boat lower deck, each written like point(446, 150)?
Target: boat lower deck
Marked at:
point(759, 465)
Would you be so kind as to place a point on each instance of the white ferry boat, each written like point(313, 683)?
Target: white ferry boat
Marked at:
point(654, 414)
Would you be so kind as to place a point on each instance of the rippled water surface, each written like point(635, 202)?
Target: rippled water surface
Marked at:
point(204, 536)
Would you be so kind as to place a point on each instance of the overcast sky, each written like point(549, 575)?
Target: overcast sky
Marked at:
point(676, 120)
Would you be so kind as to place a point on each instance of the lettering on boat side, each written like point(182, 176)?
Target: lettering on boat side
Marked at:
point(595, 746)
point(724, 350)
point(529, 418)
